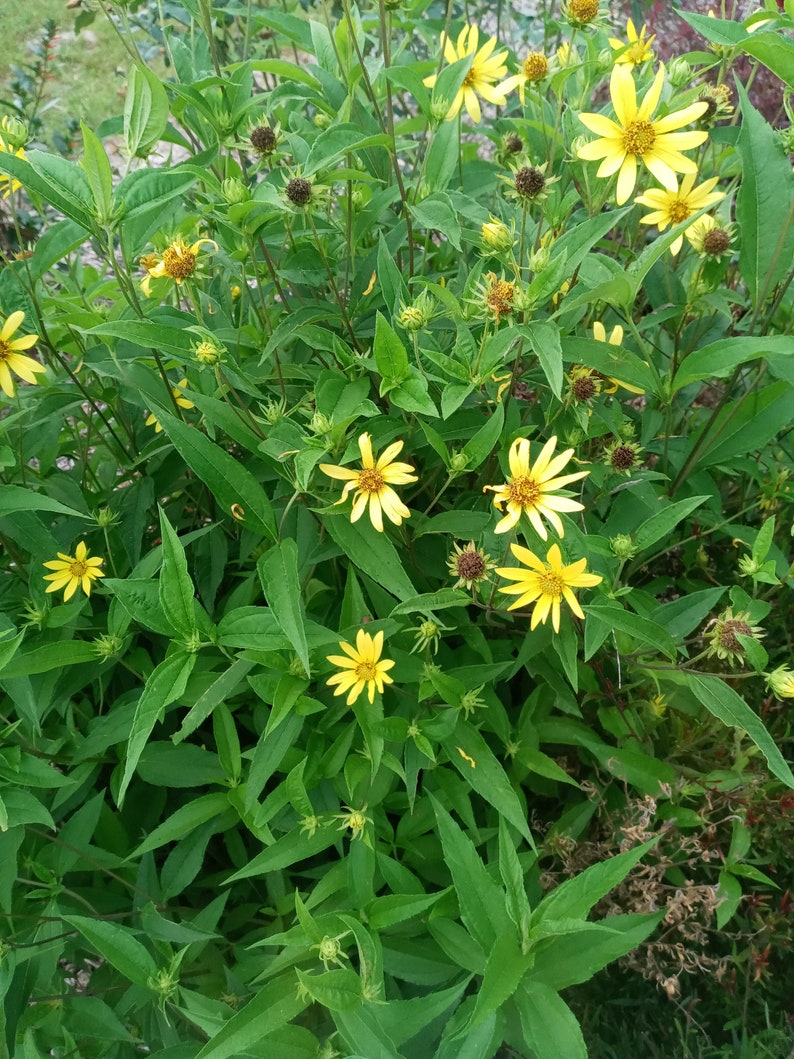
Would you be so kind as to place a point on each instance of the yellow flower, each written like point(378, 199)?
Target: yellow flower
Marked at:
point(153, 421)
point(710, 238)
point(177, 262)
point(548, 583)
point(534, 69)
point(636, 135)
point(581, 12)
point(12, 184)
point(361, 666)
point(615, 339)
point(486, 69)
point(530, 488)
point(10, 357)
point(674, 206)
point(638, 50)
point(73, 571)
point(373, 483)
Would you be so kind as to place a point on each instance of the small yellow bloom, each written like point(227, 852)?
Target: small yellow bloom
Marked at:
point(638, 50)
point(153, 421)
point(781, 682)
point(531, 488)
point(581, 12)
point(710, 238)
point(615, 339)
point(73, 571)
point(355, 819)
point(497, 235)
point(534, 69)
point(372, 484)
point(636, 135)
point(675, 206)
point(548, 583)
point(177, 262)
point(10, 357)
point(486, 70)
point(361, 666)
point(13, 185)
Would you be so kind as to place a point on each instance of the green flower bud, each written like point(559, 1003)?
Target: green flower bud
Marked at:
point(234, 191)
point(623, 546)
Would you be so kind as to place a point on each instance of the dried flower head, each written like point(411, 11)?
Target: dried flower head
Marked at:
point(584, 384)
point(723, 632)
point(263, 139)
point(469, 565)
point(622, 456)
point(299, 191)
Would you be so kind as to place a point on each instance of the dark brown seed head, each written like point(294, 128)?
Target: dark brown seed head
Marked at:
point(299, 191)
point(471, 565)
point(529, 181)
point(583, 388)
point(263, 139)
point(716, 241)
point(514, 144)
point(727, 634)
point(623, 457)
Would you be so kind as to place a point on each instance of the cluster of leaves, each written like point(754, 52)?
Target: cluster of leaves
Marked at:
point(312, 257)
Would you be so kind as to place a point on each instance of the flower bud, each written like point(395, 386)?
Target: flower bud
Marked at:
point(623, 546)
point(679, 72)
point(459, 462)
point(439, 108)
point(13, 132)
point(497, 235)
point(234, 191)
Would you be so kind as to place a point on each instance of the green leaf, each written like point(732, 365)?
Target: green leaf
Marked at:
point(612, 615)
point(480, 900)
point(219, 690)
point(183, 821)
point(718, 359)
point(176, 588)
point(504, 971)
point(661, 524)
point(390, 279)
point(96, 165)
point(372, 553)
point(59, 182)
point(763, 541)
point(437, 214)
point(574, 898)
point(336, 990)
point(549, 1026)
point(544, 340)
point(336, 141)
point(118, 946)
point(14, 498)
point(286, 851)
point(411, 395)
point(775, 51)
point(480, 447)
point(164, 686)
point(145, 111)
point(278, 572)
point(388, 911)
point(50, 656)
point(432, 601)
point(140, 598)
point(613, 361)
point(513, 879)
point(486, 776)
point(276, 1004)
point(235, 489)
point(764, 203)
point(723, 702)
point(391, 356)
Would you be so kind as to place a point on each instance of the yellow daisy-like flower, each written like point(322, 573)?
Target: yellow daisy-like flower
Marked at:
point(12, 185)
point(531, 488)
point(486, 70)
point(153, 421)
point(73, 571)
point(534, 69)
point(615, 339)
point(548, 583)
point(636, 135)
point(373, 483)
point(673, 207)
point(10, 357)
point(361, 667)
point(177, 262)
point(638, 50)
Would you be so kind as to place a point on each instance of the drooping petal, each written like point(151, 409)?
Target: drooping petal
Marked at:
point(627, 178)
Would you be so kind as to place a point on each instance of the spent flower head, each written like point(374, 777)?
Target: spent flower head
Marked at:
point(622, 456)
point(710, 238)
point(372, 484)
point(722, 636)
point(469, 565)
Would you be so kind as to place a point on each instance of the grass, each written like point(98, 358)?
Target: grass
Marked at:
point(84, 83)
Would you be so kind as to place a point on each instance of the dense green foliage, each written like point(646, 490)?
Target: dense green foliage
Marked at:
point(412, 641)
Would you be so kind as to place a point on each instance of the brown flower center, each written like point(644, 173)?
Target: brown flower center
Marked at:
point(716, 241)
point(299, 191)
point(470, 566)
point(728, 632)
point(370, 480)
point(639, 136)
point(524, 490)
point(551, 584)
point(5, 351)
point(536, 66)
point(500, 298)
point(263, 139)
point(678, 211)
point(529, 181)
point(78, 569)
point(584, 388)
point(623, 457)
point(583, 10)
point(179, 261)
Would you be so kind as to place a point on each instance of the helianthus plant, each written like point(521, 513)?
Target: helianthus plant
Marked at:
point(332, 369)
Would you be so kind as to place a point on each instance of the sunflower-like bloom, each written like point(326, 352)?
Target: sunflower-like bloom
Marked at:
point(638, 50)
point(486, 70)
point(673, 207)
point(615, 339)
point(548, 583)
point(636, 135)
point(11, 185)
point(10, 357)
point(361, 667)
point(177, 262)
point(373, 483)
point(531, 488)
point(73, 571)
point(153, 421)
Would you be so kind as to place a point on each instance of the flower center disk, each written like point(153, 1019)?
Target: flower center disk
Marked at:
point(5, 351)
point(639, 137)
point(179, 262)
point(524, 490)
point(370, 480)
point(78, 569)
point(366, 671)
point(551, 584)
point(679, 211)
